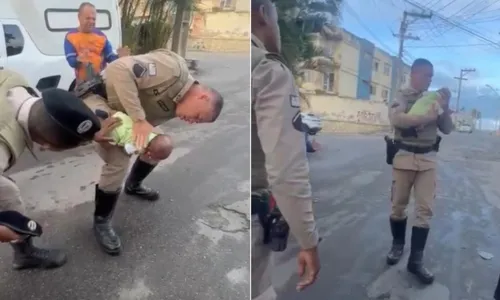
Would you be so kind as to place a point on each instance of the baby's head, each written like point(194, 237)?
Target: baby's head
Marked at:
point(160, 147)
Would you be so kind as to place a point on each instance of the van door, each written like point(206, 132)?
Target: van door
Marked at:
point(3, 48)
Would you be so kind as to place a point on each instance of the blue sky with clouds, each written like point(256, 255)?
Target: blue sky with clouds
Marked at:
point(449, 48)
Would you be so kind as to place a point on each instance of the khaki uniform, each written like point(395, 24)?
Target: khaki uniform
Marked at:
point(15, 104)
point(145, 87)
point(410, 170)
point(279, 160)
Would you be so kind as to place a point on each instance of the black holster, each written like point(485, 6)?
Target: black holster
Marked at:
point(390, 150)
point(276, 229)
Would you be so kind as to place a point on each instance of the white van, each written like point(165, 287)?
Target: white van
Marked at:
point(34, 32)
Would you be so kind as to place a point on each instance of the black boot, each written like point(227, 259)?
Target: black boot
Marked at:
point(27, 256)
point(106, 236)
point(415, 262)
point(133, 186)
point(398, 229)
point(497, 290)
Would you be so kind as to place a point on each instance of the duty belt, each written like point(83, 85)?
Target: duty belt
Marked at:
point(414, 149)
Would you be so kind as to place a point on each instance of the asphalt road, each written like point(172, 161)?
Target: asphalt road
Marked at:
point(351, 185)
point(192, 244)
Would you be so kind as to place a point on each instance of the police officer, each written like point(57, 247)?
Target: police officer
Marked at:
point(278, 153)
point(57, 121)
point(414, 166)
point(151, 88)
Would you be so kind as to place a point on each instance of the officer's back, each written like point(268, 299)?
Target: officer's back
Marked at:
point(279, 159)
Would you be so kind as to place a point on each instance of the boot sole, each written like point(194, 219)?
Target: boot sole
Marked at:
point(110, 251)
point(143, 197)
point(41, 266)
point(392, 262)
point(421, 279)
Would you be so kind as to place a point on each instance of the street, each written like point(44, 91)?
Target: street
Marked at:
point(191, 244)
point(351, 186)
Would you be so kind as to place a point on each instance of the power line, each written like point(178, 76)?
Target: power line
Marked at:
point(456, 24)
point(450, 46)
point(374, 36)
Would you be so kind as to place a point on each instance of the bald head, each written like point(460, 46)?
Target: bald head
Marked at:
point(218, 103)
point(87, 16)
point(265, 24)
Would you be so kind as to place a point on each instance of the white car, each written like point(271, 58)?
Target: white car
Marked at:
point(33, 33)
point(311, 123)
point(465, 128)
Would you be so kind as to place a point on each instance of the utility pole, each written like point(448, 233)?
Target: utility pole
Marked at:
point(463, 72)
point(178, 20)
point(403, 36)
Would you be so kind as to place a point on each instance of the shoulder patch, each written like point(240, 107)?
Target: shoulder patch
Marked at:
point(139, 70)
point(152, 69)
point(294, 101)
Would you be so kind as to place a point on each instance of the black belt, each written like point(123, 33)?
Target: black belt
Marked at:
point(414, 149)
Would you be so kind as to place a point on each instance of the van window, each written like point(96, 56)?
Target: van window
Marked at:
point(14, 40)
point(61, 20)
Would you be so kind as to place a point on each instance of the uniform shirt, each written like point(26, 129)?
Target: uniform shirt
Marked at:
point(148, 86)
point(21, 102)
point(278, 149)
point(94, 47)
point(426, 135)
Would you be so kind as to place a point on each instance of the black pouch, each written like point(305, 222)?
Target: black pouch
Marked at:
point(390, 150)
point(276, 229)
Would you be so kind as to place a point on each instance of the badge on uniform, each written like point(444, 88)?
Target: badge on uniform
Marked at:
point(139, 70)
point(294, 101)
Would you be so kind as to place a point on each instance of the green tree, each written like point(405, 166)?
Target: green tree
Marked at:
point(299, 18)
point(148, 24)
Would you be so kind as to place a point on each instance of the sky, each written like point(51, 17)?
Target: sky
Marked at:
point(449, 47)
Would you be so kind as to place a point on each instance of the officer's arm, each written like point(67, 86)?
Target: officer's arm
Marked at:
point(445, 123)
point(120, 76)
point(284, 149)
point(399, 118)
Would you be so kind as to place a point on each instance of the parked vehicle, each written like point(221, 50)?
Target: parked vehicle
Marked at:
point(464, 128)
point(34, 34)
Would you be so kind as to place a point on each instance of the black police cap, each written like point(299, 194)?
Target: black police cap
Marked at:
point(71, 114)
point(19, 223)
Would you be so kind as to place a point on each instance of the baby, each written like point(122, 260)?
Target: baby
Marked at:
point(158, 145)
point(424, 104)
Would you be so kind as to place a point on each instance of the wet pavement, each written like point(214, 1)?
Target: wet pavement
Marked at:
point(351, 185)
point(191, 244)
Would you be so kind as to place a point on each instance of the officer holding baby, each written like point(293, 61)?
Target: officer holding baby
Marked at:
point(151, 89)
point(416, 143)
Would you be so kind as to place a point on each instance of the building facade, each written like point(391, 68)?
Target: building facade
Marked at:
point(360, 70)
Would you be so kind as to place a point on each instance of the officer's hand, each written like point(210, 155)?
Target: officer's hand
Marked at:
point(7, 235)
point(308, 263)
point(107, 125)
point(140, 132)
point(123, 51)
